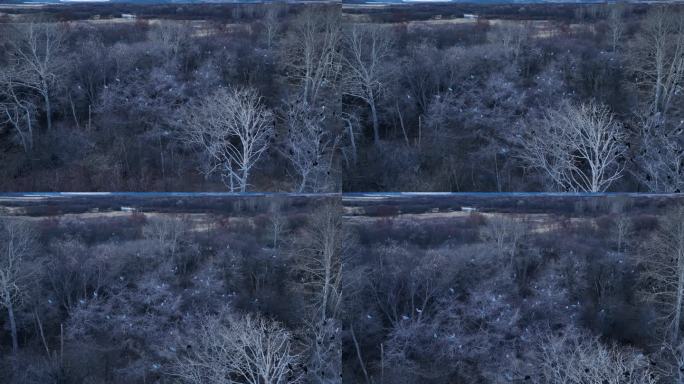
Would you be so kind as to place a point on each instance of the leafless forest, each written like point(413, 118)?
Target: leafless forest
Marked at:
point(214, 290)
point(515, 98)
point(363, 289)
point(225, 98)
point(320, 98)
point(242, 216)
point(513, 289)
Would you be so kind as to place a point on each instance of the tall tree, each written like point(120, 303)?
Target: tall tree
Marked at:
point(311, 52)
point(36, 60)
point(574, 357)
point(366, 51)
point(578, 147)
point(616, 24)
point(17, 109)
point(16, 244)
point(250, 350)
point(662, 259)
point(271, 26)
point(506, 234)
point(310, 146)
point(323, 254)
point(659, 158)
point(657, 57)
point(322, 257)
point(232, 129)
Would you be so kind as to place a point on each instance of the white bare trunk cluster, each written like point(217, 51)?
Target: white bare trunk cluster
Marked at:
point(311, 56)
point(616, 25)
point(658, 58)
point(17, 109)
point(505, 233)
point(232, 129)
point(310, 146)
point(170, 36)
point(367, 48)
point(323, 260)
point(26, 82)
point(168, 232)
point(16, 244)
point(249, 350)
point(37, 51)
point(278, 222)
point(660, 156)
point(271, 26)
point(662, 258)
point(657, 61)
point(573, 357)
point(579, 148)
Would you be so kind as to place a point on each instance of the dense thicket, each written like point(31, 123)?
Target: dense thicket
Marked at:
point(302, 98)
point(170, 298)
point(126, 104)
point(575, 290)
point(578, 101)
point(589, 296)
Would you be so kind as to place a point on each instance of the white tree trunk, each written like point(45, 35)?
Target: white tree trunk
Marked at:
point(13, 328)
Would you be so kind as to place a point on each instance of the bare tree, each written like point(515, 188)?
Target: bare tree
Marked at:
point(616, 24)
point(16, 244)
point(232, 128)
point(579, 148)
point(17, 109)
point(166, 231)
point(657, 61)
point(512, 37)
point(169, 36)
point(669, 362)
point(310, 146)
point(573, 357)
point(351, 123)
point(662, 258)
point(249, 349)
point(367, 48)
point(172, 236)
point(324, 343)
point(658, 57)
point(271, 26)
point(323, 256)
point(36, 60)
point(278, 222)
point(659, 158)
point(405, 287)
point(622, 231)
point(505, 233)
point(311, 53)
point(72, 273)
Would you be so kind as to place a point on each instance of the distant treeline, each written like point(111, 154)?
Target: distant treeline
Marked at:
point(242, 11)
point(494, 10)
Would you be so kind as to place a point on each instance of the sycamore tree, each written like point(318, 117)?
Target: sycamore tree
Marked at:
point(232, 129)
point(16, 245)
point(579, 148)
